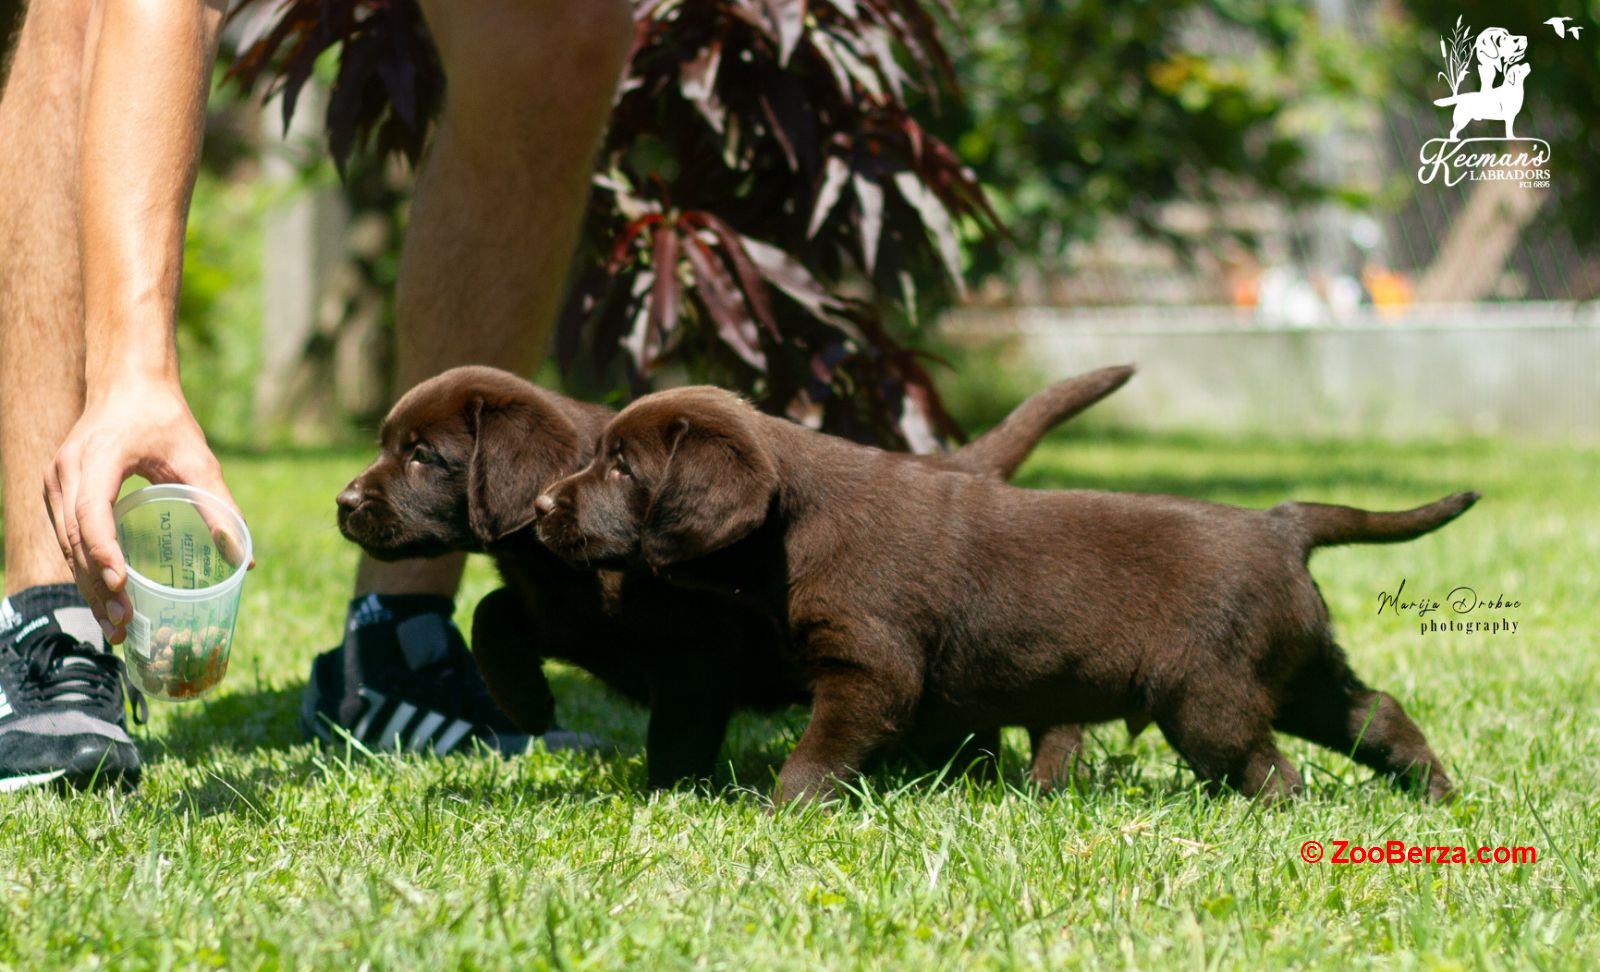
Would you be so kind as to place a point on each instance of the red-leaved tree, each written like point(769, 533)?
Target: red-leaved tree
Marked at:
point(765, 203)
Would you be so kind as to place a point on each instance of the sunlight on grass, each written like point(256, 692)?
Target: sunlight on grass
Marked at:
point(248, 848)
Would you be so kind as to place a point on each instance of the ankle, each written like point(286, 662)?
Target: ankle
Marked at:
point(368, 609)
point(29, 602)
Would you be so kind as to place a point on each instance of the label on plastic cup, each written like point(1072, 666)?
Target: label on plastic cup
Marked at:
point(139, 635)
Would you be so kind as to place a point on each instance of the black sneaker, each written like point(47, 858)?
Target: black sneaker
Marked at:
point(62, 709)
point(404, 679)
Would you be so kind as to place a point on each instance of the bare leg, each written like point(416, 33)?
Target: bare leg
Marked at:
point(499, 198)
point(41, 294)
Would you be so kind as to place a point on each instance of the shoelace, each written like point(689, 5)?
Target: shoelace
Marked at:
point(63, 669)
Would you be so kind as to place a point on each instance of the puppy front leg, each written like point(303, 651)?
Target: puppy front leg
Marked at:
point(853, 714)
point(503, 646)
point(685, 734)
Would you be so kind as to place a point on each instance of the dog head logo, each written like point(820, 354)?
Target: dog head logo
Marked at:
point(1487, 76)
point(1498, 50)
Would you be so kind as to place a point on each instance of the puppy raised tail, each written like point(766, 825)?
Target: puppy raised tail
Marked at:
point(1326, 526)
point(1002, 449)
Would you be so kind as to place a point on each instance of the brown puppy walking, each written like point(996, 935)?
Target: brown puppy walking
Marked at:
point(923, 605)
point(463, 457)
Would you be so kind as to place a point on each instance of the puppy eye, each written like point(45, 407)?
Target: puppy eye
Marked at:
point(620, 467)
point(424, 455)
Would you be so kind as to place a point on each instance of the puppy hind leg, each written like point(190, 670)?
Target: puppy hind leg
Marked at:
point(1057, 755)
point(1331, 707)
point(683, 739)
point(1232, 745)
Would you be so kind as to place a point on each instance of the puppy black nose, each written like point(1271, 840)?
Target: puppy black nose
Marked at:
point(350, 498)
point(544, 504)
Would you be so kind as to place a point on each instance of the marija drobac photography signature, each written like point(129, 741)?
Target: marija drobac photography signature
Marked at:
point(1462, 611)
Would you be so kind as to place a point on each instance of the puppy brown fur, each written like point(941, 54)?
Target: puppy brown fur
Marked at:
point(923, 605)
point(463, 457)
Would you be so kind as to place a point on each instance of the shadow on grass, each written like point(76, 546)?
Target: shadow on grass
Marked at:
point(239, 722)
point(267, 720)
point(236, 792)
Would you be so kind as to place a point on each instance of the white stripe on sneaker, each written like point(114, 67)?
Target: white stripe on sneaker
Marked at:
point(424, 731)
point(375, 701)
point(12, 784)
point(402, 715)
point(458, 729)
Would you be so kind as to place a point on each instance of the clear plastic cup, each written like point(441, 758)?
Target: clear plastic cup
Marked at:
point(186, 552)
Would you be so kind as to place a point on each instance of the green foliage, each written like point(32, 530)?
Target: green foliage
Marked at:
point(1077, 113)
point(219, 310)
point(248, 849)
point(10, 19)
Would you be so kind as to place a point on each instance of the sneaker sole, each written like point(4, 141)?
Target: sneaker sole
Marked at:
point(14, 784)
point(82, 760)
point(74, 779)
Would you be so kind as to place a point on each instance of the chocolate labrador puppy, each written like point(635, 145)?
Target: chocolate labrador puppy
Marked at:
point(922, 605)
point(463, 457)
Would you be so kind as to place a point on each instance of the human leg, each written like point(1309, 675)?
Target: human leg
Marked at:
point(61, 697)
point(499, 200)
point(41, 293)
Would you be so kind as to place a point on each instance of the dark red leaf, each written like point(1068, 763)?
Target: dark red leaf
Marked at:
point(725, 305)
point(788, 18)
point(624, 241)
point(698, 83)
point(869, 218)
point(664, 295)
point(750, 279)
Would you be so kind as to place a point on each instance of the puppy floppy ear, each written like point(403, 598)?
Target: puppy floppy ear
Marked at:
point(517, 448)
point(715, 490)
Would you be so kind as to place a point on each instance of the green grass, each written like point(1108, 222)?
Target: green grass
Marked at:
point(247, 848)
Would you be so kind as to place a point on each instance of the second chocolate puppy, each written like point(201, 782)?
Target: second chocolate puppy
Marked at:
point(922, 605)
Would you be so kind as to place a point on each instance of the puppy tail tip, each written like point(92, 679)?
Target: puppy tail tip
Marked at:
point(1325, 525)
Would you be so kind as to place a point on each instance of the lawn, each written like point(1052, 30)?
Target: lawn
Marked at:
point(245, 847)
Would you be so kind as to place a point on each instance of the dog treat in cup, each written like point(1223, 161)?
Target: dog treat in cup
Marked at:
point(187, 552)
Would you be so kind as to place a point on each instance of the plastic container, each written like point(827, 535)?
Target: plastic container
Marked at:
point(186, 552)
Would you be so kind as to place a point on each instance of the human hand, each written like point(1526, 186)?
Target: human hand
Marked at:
point(140, 428)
